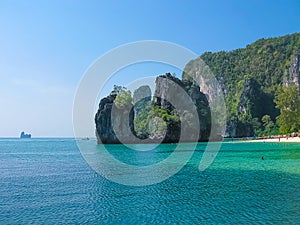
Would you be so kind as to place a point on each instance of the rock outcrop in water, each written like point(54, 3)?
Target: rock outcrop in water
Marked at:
point(170, 87)
point(110, 118)
point(155, 120)
point(23, 135)
point(249, 78)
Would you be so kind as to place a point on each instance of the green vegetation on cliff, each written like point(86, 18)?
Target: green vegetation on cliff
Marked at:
point(123, 99)
point(287, 100)
point(250, 78)
point(143, 119)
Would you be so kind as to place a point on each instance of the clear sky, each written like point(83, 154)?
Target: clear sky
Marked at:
point(46, 46)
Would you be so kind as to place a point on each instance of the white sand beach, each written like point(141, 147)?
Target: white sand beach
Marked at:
point(282, 139)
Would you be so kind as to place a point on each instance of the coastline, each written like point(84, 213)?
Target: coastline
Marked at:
point(276, 139)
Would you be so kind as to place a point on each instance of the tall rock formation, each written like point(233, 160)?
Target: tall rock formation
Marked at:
point(141, 97)
point(176, 104)
point(170, 89)
point(294, 71)
point(114, 125)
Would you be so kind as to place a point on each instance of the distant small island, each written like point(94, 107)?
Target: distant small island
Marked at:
point(23, 135)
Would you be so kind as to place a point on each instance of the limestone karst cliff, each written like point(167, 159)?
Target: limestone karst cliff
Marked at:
point(164, 118)
point(249, 78)
point(109, 119)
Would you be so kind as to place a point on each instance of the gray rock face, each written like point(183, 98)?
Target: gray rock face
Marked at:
point(201, 102)
point(166, 91)
point(141, 97)
point(141, 93)
point(169, 94)
point(250, 98)
point(294, 71)
point(254, 103)
point(166, 96)
point(113, 125)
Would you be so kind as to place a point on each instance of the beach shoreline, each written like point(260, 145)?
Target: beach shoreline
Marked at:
point(276, 139)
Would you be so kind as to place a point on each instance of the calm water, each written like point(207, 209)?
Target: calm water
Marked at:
point(46, 181)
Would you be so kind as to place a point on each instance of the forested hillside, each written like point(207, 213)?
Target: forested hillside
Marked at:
point(250, 78)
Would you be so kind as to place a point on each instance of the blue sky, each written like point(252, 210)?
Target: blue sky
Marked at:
point(46, 46)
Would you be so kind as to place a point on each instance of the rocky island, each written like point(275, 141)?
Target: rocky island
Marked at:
point(123, 118)
point(23, 135)
point(260, 84)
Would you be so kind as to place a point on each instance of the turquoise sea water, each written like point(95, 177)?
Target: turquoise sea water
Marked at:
point(47, 181)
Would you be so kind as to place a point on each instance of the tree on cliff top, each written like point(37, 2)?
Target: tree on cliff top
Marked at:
point(287, 101)
point(123, 99)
